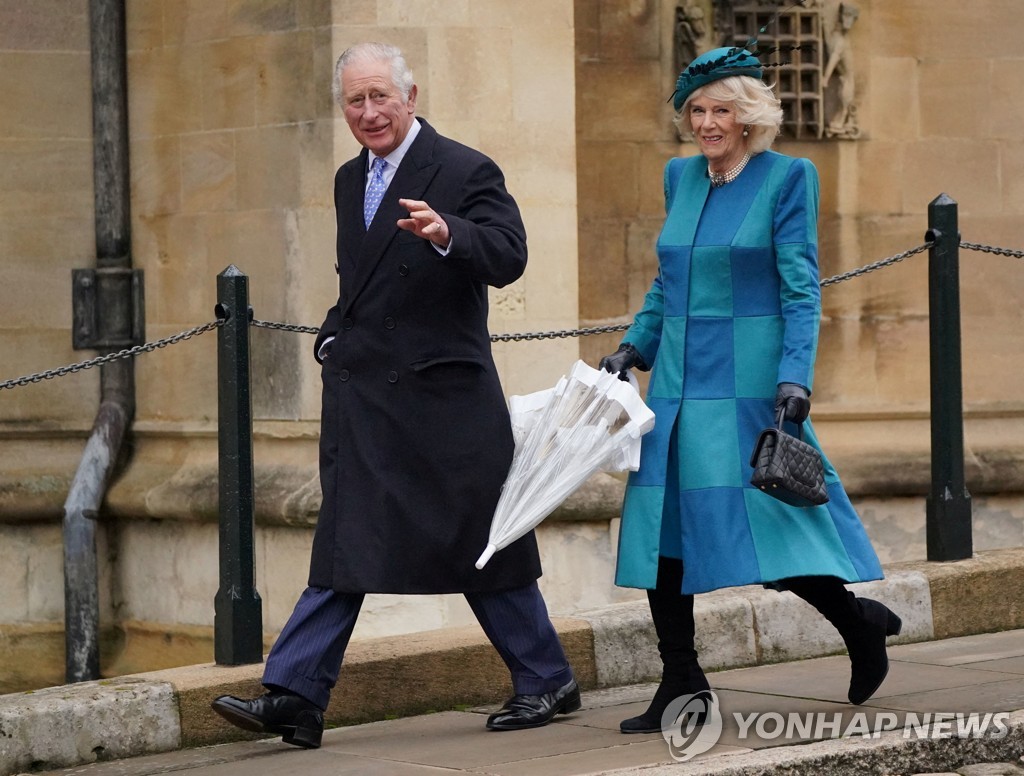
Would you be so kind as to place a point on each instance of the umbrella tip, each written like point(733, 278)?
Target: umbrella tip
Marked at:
point(486, 556)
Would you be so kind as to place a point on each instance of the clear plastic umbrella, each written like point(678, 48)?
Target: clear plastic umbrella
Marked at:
point(590, 421)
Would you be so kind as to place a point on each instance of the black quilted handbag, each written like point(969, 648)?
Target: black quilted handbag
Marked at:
point(788, 468)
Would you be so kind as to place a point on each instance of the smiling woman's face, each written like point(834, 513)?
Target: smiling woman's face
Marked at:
point(719, 135)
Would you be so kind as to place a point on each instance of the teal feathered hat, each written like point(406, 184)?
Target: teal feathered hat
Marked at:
point(712, 66)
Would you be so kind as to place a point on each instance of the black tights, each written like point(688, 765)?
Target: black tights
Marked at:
point(829, 596)
point(675, 610)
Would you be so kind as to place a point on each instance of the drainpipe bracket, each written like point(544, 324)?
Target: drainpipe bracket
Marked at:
point(108, 308)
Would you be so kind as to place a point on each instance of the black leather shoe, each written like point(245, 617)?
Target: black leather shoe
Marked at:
point(529, 711)
point(298, 721)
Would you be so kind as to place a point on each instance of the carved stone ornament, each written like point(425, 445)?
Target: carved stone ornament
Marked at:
point(818, 92)
point(840, 18)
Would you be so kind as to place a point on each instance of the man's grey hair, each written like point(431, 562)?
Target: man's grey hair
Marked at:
point(401, 75)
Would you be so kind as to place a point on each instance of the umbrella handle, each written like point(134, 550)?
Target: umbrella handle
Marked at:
point(486, 556)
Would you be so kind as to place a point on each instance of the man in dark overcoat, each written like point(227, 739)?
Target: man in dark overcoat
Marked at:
point(415, 435)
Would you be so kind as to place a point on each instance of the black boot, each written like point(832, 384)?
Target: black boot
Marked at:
point(672, 613)
point(863, 624)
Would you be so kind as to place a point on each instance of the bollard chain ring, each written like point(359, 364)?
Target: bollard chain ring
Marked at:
point(106, 359)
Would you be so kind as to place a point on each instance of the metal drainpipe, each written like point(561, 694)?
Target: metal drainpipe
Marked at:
point(114, 313)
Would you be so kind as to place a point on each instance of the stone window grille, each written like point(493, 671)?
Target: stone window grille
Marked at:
point(798, 81)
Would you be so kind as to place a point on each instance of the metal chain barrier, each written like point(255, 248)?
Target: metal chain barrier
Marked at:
point(539, 335)
point(990, 249)
point(559, 334)
point(284, 327)
point(564, 333)
point(99, 360)
point(876, 265)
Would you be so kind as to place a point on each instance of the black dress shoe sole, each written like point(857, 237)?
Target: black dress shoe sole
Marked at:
point(308, 737)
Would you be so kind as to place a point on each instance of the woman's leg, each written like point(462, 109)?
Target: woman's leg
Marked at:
point(863, 624)
point(672, 613)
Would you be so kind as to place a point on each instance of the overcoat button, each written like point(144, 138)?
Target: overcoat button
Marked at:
point(403, 269)
point(343, 375)
point(389, 322)
point(346, 324)
point(392, 377)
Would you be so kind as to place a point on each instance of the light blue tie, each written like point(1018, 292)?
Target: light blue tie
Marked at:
point(375, 191)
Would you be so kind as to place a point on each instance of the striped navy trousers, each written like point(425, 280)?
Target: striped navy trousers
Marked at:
point(307, 656)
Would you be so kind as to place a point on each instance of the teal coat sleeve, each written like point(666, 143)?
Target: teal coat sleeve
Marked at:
point(795, 227)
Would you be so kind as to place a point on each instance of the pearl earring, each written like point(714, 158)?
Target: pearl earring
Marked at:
point(746, 131)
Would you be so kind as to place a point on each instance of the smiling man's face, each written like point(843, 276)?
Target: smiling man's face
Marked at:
point(373, 105)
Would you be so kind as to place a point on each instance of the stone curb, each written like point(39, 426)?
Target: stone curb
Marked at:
point(82, 723)
point(416, 673)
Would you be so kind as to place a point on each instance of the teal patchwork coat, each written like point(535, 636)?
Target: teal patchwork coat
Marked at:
point(733, 312)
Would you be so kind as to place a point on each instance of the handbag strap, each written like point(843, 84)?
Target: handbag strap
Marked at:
point(780, 416)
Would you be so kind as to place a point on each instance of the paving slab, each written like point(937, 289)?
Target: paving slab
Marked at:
point(983, 697)
point(1012, 665)
point(960, 650)
point(459, 740)
point(828, 679)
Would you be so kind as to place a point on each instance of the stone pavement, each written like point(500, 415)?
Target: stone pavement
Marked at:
point(961, 651)
point(983, 674)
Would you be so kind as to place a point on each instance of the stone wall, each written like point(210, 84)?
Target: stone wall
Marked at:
point(234, 142)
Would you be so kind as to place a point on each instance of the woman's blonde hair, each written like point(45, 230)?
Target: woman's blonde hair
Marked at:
point(756, 106)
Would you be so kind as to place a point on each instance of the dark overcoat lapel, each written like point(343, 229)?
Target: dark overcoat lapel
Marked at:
point(410, 182)
point(415, 438)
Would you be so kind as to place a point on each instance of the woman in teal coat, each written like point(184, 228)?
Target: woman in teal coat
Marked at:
point(729, 330)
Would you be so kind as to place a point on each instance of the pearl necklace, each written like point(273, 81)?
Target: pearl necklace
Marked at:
point(722, 178)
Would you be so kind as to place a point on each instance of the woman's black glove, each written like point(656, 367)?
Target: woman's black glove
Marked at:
point(622, 360)
point(794, 400)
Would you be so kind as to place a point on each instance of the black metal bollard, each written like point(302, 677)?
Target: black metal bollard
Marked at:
point(949, 503)
point(238, 613)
